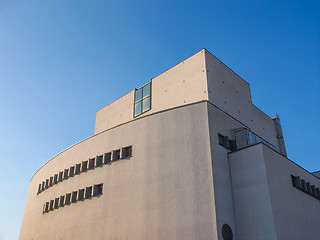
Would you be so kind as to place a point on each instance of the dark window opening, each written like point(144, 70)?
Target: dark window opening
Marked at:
point(99, 161)
point(81, 195)
point(84, 166)
point(46, 208)
point(107, 158)
point(126, 152)
point(56, 203)
point(42, 187)
point(227, 232)
point(68, 197)
point(39, 188)
point(47, 183)
point(61, 201)
point(71, 171)
point(55, 178)
point(51, 205)
point(226, 142)
point(66, 174)
point(78, 166)
point(74, 196)
point(60, 176)
point(91, 163)
point(88, 192)
point(51, 181)
point(97, 190)
point(116, 155)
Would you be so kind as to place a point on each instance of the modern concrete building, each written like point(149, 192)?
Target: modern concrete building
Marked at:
point(187, 156)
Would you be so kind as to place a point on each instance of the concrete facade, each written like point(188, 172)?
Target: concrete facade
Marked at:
point(188, 177)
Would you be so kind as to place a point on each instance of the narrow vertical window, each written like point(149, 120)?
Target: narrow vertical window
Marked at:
point(84, 166)
point(66, 174)
point(68, 197)
point(91, 163)
point(60, 176)
point(39, 189)
point(81, 195)
point(74, 196)
point(51, 181)
point(116, 155)
point(56, 203)
point(71, 171)
point(77, 171)
point(55, 178)
point(88, 192)
point(51, 205)
point(61, 201)
point(142, 99)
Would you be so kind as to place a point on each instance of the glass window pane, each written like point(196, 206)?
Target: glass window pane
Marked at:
point(146, 90)
point(137, 108)
point(145, 104)
point(138, 95)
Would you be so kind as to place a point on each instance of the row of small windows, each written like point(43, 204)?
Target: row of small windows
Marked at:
point(99, 161)
point(142, 99)
point(305, 186)
point(73, 197)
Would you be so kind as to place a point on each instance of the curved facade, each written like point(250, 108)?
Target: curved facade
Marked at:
point(162, 164)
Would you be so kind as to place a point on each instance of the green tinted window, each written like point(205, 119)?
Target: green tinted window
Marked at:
point(142, 99)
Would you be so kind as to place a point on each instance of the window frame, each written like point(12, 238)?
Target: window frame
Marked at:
point(140, 101)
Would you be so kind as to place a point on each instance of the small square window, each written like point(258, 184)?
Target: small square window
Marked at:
point(74, 196)
point(66, 174)
point(51, 205)
point(97, 190)
point(99, 161)
point(91, 163)
point(56, 203)
point(88, 192)
point(68, 198)
point(81, 194)
point(71, 171)
point(145, 104)
point(55, 178)
point(60, 176)
point(116, 155)
point(126, 152)
point(78, 167)
point(84, 166)
point(107, 158)
point(61, 201)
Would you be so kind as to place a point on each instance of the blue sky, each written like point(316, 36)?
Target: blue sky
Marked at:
point(61, 61)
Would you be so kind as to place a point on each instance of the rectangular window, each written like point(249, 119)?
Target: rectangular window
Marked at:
point(60, 176)
point(107, 158)
point(142, 99)
point(88, 192)
point(39, 188)
point(51, 205)
point(126, 152)
point(47, 183)
point(221, 139)
point(66, 174)
point(68, 197)
point(56, 203)
point(296, 182)
point(42, 187)
point(81, 194)
point(55, 178)
point(71, 171)
point(97, 190)
point(84, 166)
point(116, 155)
point(91, 163)
point(61, 201)
point(99, 161)
point(74, 196)
point(78, 166)
point(51, 181)
point(46, 209)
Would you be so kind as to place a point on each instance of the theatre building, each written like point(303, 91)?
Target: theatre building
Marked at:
point(187, 156)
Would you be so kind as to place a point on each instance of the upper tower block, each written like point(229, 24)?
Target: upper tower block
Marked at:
point(201, 77)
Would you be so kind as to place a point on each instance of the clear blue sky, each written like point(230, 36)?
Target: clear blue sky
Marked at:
point(60, 61)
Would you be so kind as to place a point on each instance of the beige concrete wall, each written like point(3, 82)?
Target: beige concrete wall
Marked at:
point(165, 191)
point(251, 198)
point(296, 214)
point(232, 94)
point(182, 84)
point(267, 206)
